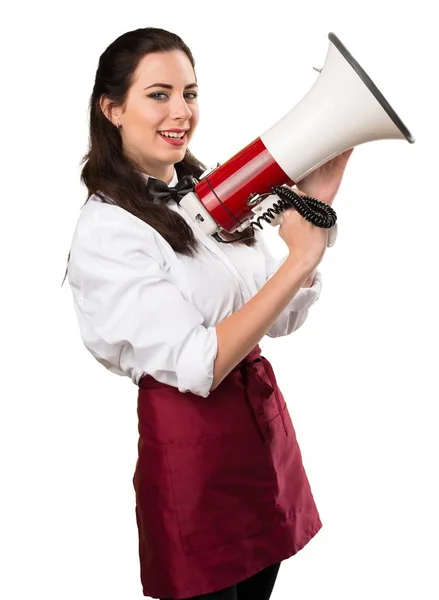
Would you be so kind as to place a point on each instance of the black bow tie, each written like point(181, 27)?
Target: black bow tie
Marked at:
point(161, 192)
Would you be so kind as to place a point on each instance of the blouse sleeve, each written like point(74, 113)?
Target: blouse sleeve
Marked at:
point(136, 317)
point(296, 312)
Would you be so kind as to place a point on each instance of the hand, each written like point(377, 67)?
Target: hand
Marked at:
point(324, 182)
point(306, 242)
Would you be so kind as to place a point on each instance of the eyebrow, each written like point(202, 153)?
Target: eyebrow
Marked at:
point(168, 86)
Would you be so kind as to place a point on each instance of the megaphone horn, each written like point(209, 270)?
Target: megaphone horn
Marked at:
point(343, 109)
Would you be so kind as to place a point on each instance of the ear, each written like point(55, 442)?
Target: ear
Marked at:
point(110, 111)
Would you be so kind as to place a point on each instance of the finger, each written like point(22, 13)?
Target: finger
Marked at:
point(345, 156)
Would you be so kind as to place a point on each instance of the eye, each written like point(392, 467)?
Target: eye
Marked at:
point(191, 95)
point(158, 95)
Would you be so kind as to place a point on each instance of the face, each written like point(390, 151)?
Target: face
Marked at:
point(161, 112)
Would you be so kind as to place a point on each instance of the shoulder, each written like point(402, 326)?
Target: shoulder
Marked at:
point(96, 214)
point(107, 228)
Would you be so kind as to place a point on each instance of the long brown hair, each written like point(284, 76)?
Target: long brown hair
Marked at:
point(107, 169)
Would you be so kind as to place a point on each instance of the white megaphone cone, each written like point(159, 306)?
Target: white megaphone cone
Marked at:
point(343, 109)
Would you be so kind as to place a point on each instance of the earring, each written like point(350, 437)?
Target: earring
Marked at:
point(118, 125)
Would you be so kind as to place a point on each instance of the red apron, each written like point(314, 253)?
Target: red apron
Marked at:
point(221, 492)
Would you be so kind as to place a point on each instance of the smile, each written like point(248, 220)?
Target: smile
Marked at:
point(171, 137)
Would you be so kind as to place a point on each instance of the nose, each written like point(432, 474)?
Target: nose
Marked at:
point(180, 109)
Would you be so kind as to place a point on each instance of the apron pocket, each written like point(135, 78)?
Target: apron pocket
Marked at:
point(225, 489)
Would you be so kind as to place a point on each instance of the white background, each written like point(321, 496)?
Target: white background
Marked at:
point(360, 377)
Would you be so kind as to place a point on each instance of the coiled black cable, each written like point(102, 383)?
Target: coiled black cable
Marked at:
point(316, 212)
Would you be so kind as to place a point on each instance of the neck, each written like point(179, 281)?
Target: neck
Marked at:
point(164, 173)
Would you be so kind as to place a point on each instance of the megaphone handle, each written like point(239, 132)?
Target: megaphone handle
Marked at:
point(276, 221)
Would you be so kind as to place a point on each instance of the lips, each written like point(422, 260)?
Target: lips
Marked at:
point(174, 141)
point(173, 130)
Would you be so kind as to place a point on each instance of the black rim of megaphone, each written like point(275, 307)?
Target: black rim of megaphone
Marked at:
point(372, 87)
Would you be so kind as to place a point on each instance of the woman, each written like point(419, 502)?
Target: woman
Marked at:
point(221, 493)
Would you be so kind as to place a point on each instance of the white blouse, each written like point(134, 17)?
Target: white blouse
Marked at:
point(144, 309)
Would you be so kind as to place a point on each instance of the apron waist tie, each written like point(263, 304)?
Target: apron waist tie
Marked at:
point(260, 384)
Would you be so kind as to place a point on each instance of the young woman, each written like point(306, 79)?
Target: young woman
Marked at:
point(222, 496)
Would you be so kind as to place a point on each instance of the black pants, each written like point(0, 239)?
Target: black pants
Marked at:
point(257, 587)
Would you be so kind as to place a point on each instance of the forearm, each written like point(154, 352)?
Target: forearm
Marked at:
point(239, 333)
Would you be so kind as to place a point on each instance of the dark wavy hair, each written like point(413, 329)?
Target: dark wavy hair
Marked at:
point(107, 169)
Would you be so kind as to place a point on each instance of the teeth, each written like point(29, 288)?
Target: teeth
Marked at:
point(172, 134)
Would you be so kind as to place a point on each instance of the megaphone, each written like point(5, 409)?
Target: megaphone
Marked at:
point(343, 109)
